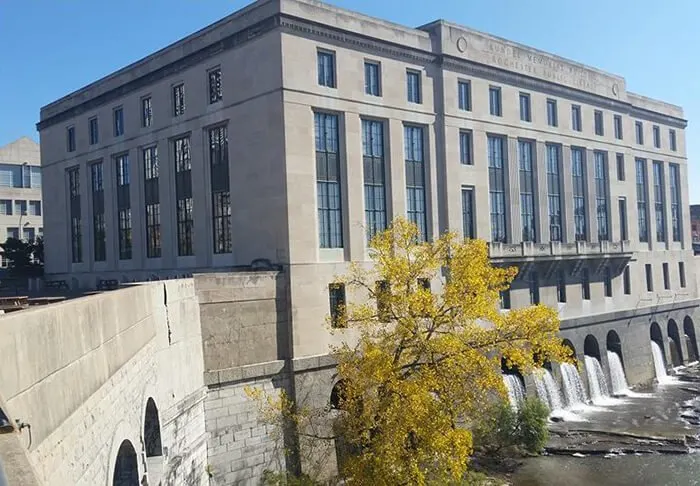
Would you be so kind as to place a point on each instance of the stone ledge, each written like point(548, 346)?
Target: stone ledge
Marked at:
point(313, 362)
point(627, 314)
point(243, 373)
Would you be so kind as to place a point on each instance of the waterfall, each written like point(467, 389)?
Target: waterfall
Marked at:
point(659, 364)
point(548, 390)
point(573, 386)
point(516, 390)
point(597, 383)
point(617, 374)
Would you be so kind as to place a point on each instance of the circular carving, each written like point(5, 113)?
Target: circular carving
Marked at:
point(615, 89)
point(461, 44)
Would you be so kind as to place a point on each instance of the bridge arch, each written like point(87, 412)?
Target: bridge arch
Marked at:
point(590, 347)
point(613, 343)
point(674, 343)
point(126, 470)
point(691, 341)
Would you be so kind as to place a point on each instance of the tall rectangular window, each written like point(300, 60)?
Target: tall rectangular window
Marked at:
point(525, 112)
point(622, 206)
point(220, 189)
point(672, 139)
point(468, 226)
point(641, 178)
point(504, 299)
point(561, 286)
point(151, 177)
point(639, 131)
point(601, 195)
point(554, 192)
point(183, 196)
point(330, 213)
point(576, 124)
point(118, 114)
point(578, 173)
point(336, 297)
point(413, 86)
point(146, 112)
point(656, 132)
point(495, 101)
point(667, 280)
point(373, 79)
point(6, 207)
point(527, 191)
point(374, 176)
point(326, 68)
point(497, 188)
point(681, 274)
point(415, 179)
point(76, 235)
point(534, 284)
point(94, 131)
point(35, 208)
point(585, 284)
point(598, 122)
point(465, 147)
point(659, 200)
point(99, 236)
point(179, 100)
point(70, 139)
point(21, 207)
point(675, 186)
point(650, 277)
point(216, 91)
point(607, 282)
point(617, 123)
point(552, 120)
point(626, 281)
point(620, 159)
point(124, 205)
point(464, 93)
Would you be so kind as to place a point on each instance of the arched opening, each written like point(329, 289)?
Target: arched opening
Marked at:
point(126, 470)
point(614, 344)
point(674, 343)
point(152, 442)
point(656, 335)
point(570, 345)
point(571, 383)
point(337, 395)
point(658, 351)
point(590, 347)
point(691, 341)
point(618, 380)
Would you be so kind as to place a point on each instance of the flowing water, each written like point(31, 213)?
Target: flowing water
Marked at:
point(548, 390)
point(516, 389)
point(659, 364)
point(573, 386)
point(617, 374)
point(597, 383)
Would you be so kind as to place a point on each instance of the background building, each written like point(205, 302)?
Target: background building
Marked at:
point(20, 191)
point(695, 222)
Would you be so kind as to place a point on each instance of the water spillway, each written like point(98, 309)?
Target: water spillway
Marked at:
point(659, 363)
point(516, 390)
point(548, 389)
point(617, 374)
point(597, 383)
point(574, 392)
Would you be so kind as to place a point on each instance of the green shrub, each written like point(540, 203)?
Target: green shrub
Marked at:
point(501, 427)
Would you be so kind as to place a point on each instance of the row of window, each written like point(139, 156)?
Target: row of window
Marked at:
point(184, 202)
point(20, 207)
point(372, 69)
point(146, 110)
point(20, 175)
point(28, 233)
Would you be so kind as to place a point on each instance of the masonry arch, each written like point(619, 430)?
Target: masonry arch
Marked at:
point(591, 348)
point(337, 395)
point(674, 343)
point(613, 343)
point(571, 346)
point(690, 340)
point(152, 442)
point(126, 470)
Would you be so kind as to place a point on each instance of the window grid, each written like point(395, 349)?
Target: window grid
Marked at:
point(554, 192)
point(578, 174)
point(216, 92)
point(179, 100)
point(70, 139)
point(527, 191)
point(94, 131)
point(639, 131)
point(146, 112)
point(464, 93)
point(220, 189)
point(620, 160)
point(330, 213)
point(183, 196)
point(468, 227)
point(656, 132)
point(525, 112)
point(601, 195)
point(6, 207)
point(372, 78)
point(576, 124)
point(617, 122)
point(552, 113)
point(118, 121)
point(641, 178)
point(76, 236)
point(415, 179)
point(374, 177)
point(465, 147)
point(497, 193)
point(413, 86)
point(598, 122)
point(674, 182)
point(659, 200)
point(151, 172)
point(326, 69)
point(495, 101)
point(124, 205)
point(99, 247)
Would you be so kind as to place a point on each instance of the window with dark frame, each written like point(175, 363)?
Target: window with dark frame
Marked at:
point(151, 178)
point(620, 160)
point(585, 284)
point(70, 139)
point(681, 274)
point(216, 92)
point(667, 280)
point(534, 285)
point(527, 190)
point(497, 185)
point(552, 120)
point(659, 200)
point(220, 189)
point(179, 99)
point(504, 299)
point(627, 281)
point(617, 123)
point(578, 174)
point(465, 147)
point(373, 78)
point(118, 114)
point(76, 235)
point(336, 297)
point(183, 196)
point(641, 178)
point(495, 101)
point(525, 111)
point(561, 286)
point(601, 195)
point(468, 227)
point(94, 130)
point(639, 131)
point(656, 133)
point(554, 192)
point(649, 277)
point(622, 207)
point(374, 177)
point(328, 181)
point(326, 68)
point(598, 122)
point(607, 282)
point(464, 93)
point(413, 86)
point(675, 185)
point(415, 179)
point(672, 139)
point(99, 231)
point(576, 123)
point(123, 173)
point(146, 112)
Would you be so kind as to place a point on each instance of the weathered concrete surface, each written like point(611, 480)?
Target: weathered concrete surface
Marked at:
point(15, 465)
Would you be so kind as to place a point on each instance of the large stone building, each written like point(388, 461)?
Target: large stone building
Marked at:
point(20, 191)
point(292, 130)
point(695, 222)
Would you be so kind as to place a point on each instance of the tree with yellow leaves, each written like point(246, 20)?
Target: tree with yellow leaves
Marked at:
point(426, 364)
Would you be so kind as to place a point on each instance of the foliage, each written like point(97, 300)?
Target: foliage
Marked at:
point(271, 478)
point(25, 258)
point(418, 368)
point(502, 426)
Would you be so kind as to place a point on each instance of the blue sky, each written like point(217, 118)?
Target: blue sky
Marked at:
point(49, 48)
